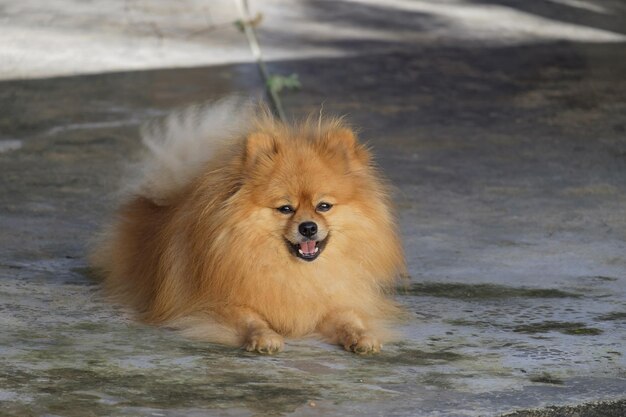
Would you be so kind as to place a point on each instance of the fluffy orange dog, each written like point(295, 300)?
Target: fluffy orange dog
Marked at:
point(243, 230)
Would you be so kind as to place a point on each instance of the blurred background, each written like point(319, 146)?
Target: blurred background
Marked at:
point(71, 37)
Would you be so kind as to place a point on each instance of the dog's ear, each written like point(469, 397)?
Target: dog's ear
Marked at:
point(260, 146)
point(343, 142)
point(344, 138)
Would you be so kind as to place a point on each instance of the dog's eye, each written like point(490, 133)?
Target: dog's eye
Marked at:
point(323, 206)
point(287, 209)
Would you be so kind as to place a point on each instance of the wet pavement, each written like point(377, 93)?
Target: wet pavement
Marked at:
point(509, 162)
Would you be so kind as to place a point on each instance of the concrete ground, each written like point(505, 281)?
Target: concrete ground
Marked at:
point(502, 124)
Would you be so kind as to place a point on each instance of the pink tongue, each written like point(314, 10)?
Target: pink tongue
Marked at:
point(308, 247)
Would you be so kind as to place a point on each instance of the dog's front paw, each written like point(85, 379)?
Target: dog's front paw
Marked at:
point(362, 344)
point(267, 342)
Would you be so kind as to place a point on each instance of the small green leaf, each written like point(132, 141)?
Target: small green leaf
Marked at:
point(277, 83)
point(254, 22)
point(239, 25)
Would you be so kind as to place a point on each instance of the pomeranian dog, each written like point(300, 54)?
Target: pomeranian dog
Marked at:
point(243, 230)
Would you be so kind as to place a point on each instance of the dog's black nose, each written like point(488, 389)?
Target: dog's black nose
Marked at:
point(307, 229)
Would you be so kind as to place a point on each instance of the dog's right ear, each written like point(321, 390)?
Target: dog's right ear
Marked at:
point(260, 147)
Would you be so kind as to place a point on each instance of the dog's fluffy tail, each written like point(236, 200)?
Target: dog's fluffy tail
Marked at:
point(182, 143)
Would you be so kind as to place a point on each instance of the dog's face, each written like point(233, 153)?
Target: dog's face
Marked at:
point(306, 231)
point(305, 188)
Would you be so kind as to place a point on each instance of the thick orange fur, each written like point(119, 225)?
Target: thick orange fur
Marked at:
point(211, 256)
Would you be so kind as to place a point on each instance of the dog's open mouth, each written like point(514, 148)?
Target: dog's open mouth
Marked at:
point(308, 250)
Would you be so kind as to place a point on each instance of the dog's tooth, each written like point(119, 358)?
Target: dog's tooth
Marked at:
point(300, 251)
point(317, 249)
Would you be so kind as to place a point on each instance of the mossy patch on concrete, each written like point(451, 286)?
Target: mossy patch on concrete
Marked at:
point(583, 331)
point(416, 357)
point(481, 291)
point(571, 328)
point(546, 378)
point(616, 315)
point(603, 278)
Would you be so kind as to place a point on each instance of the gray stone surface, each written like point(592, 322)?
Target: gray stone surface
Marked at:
point(509, 158)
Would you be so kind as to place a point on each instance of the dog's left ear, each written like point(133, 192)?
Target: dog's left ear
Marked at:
point(260, 146)
point(343, 142)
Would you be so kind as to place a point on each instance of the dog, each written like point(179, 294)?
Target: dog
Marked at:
point(243, 230)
